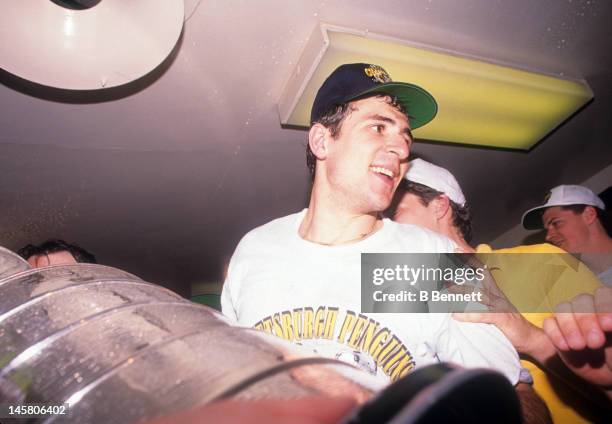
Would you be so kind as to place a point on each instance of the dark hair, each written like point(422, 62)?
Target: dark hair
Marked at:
point(462, 216)
point(55, 245)
point(602, 215)
point(333, 119)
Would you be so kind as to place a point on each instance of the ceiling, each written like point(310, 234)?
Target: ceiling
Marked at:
point(163, 176)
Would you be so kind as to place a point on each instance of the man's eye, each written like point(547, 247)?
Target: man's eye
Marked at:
point(379, 128)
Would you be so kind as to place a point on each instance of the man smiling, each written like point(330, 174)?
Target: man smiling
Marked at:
point(575, 220)
point(298, 277)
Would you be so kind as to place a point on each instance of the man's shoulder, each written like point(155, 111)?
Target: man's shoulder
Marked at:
point(527, 248)
point(275, 230)
point(415, 230)
point(420, 238)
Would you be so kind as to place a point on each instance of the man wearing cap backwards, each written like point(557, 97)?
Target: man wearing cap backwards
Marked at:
point(298, 277)
point(573, 217)
point(431, 197)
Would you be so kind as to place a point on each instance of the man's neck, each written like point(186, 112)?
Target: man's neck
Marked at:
point(598, 255)
point(453, 233)
point(600, 242)
point(329, 223)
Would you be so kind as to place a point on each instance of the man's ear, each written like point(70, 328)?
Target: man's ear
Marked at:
point(589, 214)
point(441, 206)
point(317, 140)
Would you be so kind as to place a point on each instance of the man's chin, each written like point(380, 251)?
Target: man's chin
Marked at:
point(380, 204)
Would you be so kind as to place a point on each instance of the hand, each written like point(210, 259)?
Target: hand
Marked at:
point(581, 330)
point(490, 294)
point(524, 336)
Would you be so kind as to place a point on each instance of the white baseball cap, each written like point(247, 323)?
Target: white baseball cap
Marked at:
point(436, 177)
point(563, 195)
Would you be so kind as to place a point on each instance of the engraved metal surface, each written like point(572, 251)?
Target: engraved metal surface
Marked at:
point(118, 349)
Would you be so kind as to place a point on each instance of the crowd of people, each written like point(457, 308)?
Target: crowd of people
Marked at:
point(298, 277)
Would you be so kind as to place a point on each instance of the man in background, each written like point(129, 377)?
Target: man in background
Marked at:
point(576, 220)
point(55, 252)
point(429, 196)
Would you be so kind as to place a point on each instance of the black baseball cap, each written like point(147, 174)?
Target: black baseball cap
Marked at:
point(351, 81)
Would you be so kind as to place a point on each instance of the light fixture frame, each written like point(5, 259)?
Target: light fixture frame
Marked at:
point(549, 98)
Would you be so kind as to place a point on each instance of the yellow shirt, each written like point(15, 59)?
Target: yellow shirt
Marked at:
point(539, 287)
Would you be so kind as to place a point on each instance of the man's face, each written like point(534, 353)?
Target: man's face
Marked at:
point(410, 210)
point(565, 229)
point(368, 158)
point(62, 257)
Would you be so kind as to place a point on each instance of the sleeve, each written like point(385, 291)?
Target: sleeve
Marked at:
point(230, 294)
point(227, 303)
point(451, 246)
point(445, 244)
point(474, 345)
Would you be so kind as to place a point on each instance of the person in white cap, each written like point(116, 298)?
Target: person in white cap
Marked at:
point(430, 196)
point(575, 220)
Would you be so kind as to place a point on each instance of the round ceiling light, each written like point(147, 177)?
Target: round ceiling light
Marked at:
point(87, 44)
point(76, 4)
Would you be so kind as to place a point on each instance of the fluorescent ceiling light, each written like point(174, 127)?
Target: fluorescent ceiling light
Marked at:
point(480, 102)
point(99, 45)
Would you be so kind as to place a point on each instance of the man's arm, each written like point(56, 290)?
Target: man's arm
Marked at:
point(519, 330)
point(533, 408)
point(227, 305)
point(312, 410)
point(483, 345)
point(564, 364)
point(526, 338)
point(231, 287)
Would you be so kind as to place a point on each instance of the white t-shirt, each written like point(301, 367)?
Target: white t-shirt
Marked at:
point(311, 294)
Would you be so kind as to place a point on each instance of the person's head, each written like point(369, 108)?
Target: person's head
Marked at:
point(360, 134)
point(573, 217)
point(55, 252)
point(430, 196)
